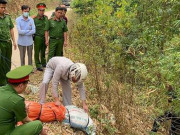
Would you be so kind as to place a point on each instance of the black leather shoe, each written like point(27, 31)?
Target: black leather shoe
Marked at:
point(39, 69)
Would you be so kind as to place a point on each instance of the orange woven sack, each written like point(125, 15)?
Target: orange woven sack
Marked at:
point(33, 109)
point(57, 112)
point(46, 113)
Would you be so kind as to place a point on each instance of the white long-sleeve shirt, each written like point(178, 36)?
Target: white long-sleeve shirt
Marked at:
point(61, 66)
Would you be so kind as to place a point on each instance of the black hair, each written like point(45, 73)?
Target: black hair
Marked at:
point(59, 8)
point(16, 84)
point(23, 7)
point(64, 8)
point(3, 2)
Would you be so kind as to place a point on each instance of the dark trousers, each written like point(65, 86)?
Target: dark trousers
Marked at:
point(22, 50)
point(5, 60)
point(55, 47)
point(39, 51)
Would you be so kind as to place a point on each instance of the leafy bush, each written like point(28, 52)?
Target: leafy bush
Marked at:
point(133, 43)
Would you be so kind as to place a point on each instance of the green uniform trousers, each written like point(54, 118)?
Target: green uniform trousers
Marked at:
point(31, 128)
point(39, 51)
point(5, 60)
point(55, 47)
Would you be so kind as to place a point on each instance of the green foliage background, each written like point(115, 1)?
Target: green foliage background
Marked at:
point(134, 43)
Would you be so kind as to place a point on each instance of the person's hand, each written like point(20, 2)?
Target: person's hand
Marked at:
point(47, 43)
point(44, 131)
point(65, 43)
point(57, 102)
point(85, 107)
point(15, 46)
point(27, 107)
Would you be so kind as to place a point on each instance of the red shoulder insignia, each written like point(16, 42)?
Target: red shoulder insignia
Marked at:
point(54, 18)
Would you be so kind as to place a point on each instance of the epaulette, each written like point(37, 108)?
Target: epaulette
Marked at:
point(54, 18)
point(34, 16)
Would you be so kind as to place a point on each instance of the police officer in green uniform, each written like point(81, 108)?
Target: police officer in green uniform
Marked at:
point(40, 21)
point(12, 106)
point(6, 33)
point(64, 13)
point(56, 30)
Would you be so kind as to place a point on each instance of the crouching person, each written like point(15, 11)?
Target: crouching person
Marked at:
point(63, 70)
point(12, 106)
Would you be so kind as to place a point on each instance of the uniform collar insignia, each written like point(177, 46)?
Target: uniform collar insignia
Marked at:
point(40, 17)
point(55, 19)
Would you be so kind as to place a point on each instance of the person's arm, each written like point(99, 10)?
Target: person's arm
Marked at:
point(26, 120)
point(19, 110)
point(55, 82)
point(33, 30)
point(47, 38)
point(65, 29)
point(65, 39)
point(46, 29)
point(85, 107)
point(11, 26)
point(13, 39)
point(20, 31)
point(82, 91)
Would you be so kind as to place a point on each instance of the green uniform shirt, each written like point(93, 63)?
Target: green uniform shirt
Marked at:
point(12, 109)
point(5, 26)
point(56, 28)
point(40, 25)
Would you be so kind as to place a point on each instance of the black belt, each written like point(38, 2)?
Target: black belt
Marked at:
point(54, 38)
point(39, 36)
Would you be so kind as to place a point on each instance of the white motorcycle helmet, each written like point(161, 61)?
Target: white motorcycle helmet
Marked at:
point(78, 73)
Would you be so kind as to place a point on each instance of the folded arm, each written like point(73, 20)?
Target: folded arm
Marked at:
point(33, 30)
point(25, 32)
point(82, 91)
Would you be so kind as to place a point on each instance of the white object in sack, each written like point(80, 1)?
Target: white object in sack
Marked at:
point(33, 89)
point(77, 118)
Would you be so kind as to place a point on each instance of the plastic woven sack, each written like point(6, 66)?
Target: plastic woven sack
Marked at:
point(52, 112)
point(34, 89)
point(77, 118)
point(33, 109)
point(46, 113)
